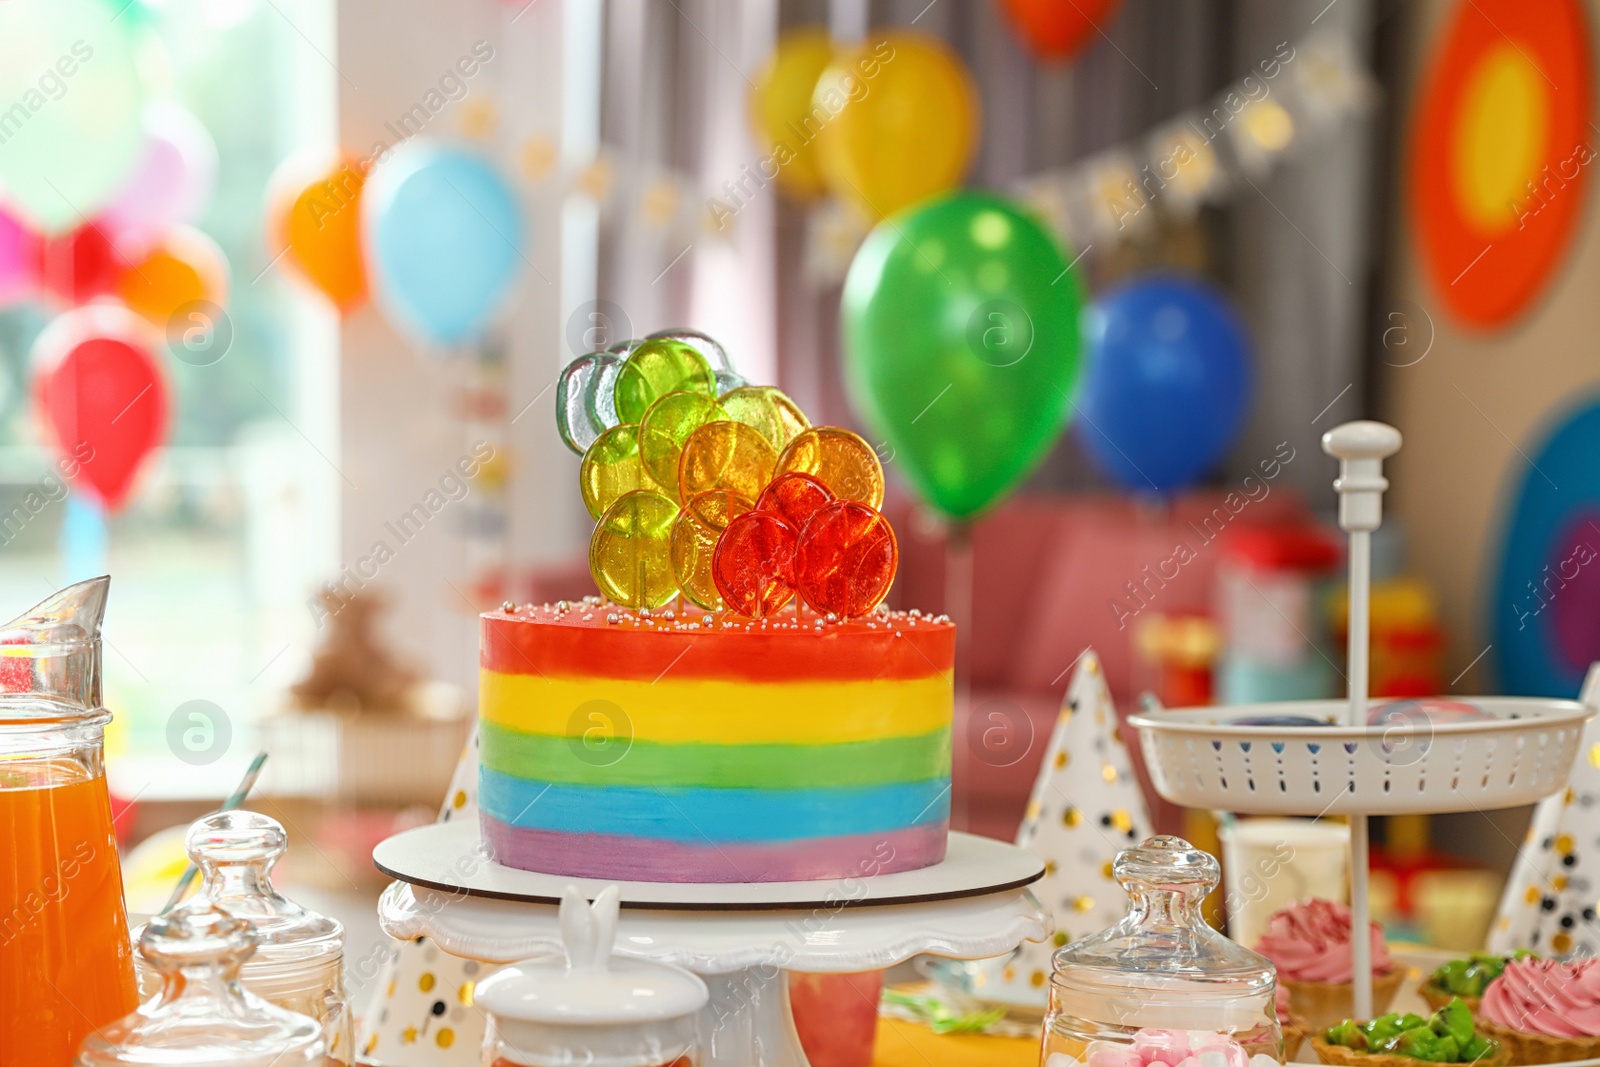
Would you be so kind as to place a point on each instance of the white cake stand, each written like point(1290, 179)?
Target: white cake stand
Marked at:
point(1520, 752)
point(740, 938)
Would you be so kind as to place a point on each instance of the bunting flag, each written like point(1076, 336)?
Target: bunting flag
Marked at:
point(1549, 901)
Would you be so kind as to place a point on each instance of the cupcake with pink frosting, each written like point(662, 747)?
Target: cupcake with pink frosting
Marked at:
point(1544, 1011)
point(1309, 944)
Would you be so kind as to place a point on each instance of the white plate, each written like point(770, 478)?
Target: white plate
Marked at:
point(451, 857)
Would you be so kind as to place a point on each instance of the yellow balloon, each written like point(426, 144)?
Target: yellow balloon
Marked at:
point(780, 109)
point(903, 122)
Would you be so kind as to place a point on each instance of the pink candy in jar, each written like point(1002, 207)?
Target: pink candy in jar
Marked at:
point(1153, 1047)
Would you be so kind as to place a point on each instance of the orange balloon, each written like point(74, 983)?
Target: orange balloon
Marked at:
point(184, 267)
point(314, 222)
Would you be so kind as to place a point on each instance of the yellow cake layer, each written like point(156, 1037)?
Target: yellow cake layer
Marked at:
point(717, 712)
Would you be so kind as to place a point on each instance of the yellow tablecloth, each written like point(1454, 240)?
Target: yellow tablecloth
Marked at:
point(908, 1044)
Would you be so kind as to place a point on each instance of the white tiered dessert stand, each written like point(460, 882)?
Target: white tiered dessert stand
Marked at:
point(1521, 753)
point(739, 937)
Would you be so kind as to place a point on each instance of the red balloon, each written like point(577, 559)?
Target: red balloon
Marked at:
point(794, 497)
point(101, 397)
point(753, 565)
point(76, 267)
point(1055, 29)
point(846, 559)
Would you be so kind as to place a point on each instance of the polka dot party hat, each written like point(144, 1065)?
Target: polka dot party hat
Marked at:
point(1551, 896)
point(423, 1014)
point(1086, 807)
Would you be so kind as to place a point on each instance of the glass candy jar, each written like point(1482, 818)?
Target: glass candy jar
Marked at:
point(299, 962)
point(588, 1007)
point(1161, 986)
point(202, 1017)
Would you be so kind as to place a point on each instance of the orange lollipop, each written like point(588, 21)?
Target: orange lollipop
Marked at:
point(725, 455)
point(754, 564)
point(694, 542)
point(794, 497)
point(846, 560)
point(838, 459)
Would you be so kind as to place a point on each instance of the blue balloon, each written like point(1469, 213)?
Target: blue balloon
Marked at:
point(1168, 383)
point(445, 237)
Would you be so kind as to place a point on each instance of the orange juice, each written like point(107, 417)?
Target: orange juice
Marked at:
point(66, 964)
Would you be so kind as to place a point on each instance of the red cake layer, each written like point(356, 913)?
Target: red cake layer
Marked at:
point(591, 639)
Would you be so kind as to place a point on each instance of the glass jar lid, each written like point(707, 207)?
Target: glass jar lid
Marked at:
point(202, 1017)
point(1162, 965)
point(588, 1006)
point(235, 852)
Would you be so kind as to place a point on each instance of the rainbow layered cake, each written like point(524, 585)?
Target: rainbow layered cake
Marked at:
point(692, 746)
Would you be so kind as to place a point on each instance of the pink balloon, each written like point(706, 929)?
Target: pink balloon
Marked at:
point(18, 257)
point(172, 182)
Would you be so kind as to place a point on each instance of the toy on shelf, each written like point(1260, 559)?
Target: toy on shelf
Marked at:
point(358, 713)
point(707, 488)
point(1328, 757)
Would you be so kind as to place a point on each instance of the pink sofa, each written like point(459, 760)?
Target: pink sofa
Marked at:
point(1049, 575)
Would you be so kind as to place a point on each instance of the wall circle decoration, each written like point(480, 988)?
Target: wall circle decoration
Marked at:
point(1500, 153)
point(1544, 608)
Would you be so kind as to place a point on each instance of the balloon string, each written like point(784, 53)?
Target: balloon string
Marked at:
point(958, 570)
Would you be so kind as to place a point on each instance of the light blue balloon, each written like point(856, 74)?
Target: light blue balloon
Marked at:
point(446, 240)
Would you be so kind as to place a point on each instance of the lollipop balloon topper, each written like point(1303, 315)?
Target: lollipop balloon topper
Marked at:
point(729, 498)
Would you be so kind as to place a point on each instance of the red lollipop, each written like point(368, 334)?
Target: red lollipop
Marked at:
point(845, 562)
point(795, 497)
point(754, 564)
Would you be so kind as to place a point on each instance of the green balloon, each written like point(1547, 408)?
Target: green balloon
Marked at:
point(961, 338)
point(69, 109)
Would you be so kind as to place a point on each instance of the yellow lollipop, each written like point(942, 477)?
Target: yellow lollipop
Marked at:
point(611, 467)
point(694, 542)
point(768, 411)
point(839, 460)
point(666, 426)
point(657, 368)
point(725, 455)
point(630, 554)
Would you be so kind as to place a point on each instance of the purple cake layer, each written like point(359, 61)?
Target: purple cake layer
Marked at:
point(581, 855)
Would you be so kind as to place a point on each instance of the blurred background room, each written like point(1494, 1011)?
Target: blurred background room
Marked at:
point(327, 260)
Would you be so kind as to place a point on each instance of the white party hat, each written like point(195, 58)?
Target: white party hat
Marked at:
point(423, 1014)
point(1549, 901)
point(1086, 807)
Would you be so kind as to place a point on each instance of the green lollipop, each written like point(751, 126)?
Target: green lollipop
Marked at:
point(611, 467)
point(664, 429)
point(657, 368)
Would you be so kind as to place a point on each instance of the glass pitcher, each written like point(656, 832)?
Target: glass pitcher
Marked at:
point(66, 962)
point(1161, 985)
